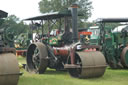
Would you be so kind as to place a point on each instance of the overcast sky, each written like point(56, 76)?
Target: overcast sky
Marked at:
point(102, 8)
point(21, 8)
point(109, 8)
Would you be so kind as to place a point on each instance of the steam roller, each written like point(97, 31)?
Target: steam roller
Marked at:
point(9, 69)
point(80, 64)
point(80, 59)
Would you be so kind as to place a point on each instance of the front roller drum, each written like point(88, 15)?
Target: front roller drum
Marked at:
point(37, 58)
point(92, 64)
point(9, 69)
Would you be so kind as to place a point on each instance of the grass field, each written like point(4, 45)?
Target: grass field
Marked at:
point(52, 77)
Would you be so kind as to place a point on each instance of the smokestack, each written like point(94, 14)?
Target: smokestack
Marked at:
point(74, 22)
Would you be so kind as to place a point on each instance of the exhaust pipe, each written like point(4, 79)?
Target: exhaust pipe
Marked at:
point(74, 22)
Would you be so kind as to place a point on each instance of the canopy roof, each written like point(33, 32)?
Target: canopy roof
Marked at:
point(110, 20)
point(3, 14)
point(53, 15)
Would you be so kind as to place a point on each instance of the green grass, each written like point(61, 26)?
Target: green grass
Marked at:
point(22, 59)
point(52, 77)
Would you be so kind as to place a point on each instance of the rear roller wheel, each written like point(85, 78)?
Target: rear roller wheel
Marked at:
point(124, 57)
point(92, 64)
point(36, 58)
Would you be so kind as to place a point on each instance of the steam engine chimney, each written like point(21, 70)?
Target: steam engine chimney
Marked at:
point(74, 22)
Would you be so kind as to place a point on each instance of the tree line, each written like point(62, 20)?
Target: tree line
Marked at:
point(46, 6)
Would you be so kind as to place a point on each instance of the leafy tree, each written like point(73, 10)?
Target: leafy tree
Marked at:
point(13, 25)
point(89, 24)
point(58, 5)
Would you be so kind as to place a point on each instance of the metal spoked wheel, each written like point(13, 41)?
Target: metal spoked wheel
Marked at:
point(36, 58)
point(124, 57)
